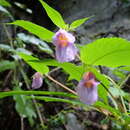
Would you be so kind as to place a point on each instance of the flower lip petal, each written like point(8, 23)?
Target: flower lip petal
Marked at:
point(66, 54)
point(89, 83)
point(63, 38)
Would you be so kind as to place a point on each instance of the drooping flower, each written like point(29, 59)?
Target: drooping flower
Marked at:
point(37, 80)
point(87, 89)
point(65, 48)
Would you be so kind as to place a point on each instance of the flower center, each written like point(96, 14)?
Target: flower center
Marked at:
point(89, 84)
point(63, 40)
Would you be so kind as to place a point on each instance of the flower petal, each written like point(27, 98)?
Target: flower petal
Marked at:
point(87, 95)
point(66, 54)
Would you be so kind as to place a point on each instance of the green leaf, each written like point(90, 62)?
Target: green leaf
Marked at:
point(110, 52)
point(42, 68)
point(22, 50)
point(35, 41)
point(35, 29)
point(74, 71)
point(117, 92)
point(6, 48)
point(101, 105)
point(126, 117)
point(24, 106)
point(20, 92)
point(103, 93)
point(53, 99)
point(119, 74)
point(126, 68)
point(78, 22)
point(4, 10)
point(10, 49)
point(5, 3)
point(54, 15)
point(5, 65)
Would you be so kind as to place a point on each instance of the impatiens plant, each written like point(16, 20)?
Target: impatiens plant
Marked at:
point(95, 90)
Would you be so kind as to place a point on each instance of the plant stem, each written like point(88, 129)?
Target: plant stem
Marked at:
point(26, 82)
point(60, 84)
point(38, 112)
point(22, 124)
point(53, 70)
point(123, 82)
point(34, 101)
point(8, 35)
point(113, 98)
point(78, 56)
point(118, 87)
point(115, 102)
point(123, 103)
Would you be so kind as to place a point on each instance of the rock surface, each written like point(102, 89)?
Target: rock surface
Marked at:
point(72, 122)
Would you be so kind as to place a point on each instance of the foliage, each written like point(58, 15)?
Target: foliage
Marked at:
point(24, 107)
point(39, 31)
point(31, 40)
point(5, 3)
point(108, 52)
point(116, 52)
point(78, 22)
point(42, 68)
point(5, 65)
point(54, 15)
point(20, 92)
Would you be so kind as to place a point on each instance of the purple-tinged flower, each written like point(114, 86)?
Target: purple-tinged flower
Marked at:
point(65, 48)
point(87, 89)
point(37, 80)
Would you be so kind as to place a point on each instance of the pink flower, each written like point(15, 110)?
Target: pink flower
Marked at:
point(65, 48)
point(87, 89)
point(37, 80)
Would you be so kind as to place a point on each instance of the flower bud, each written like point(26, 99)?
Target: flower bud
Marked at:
point(37, 80)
